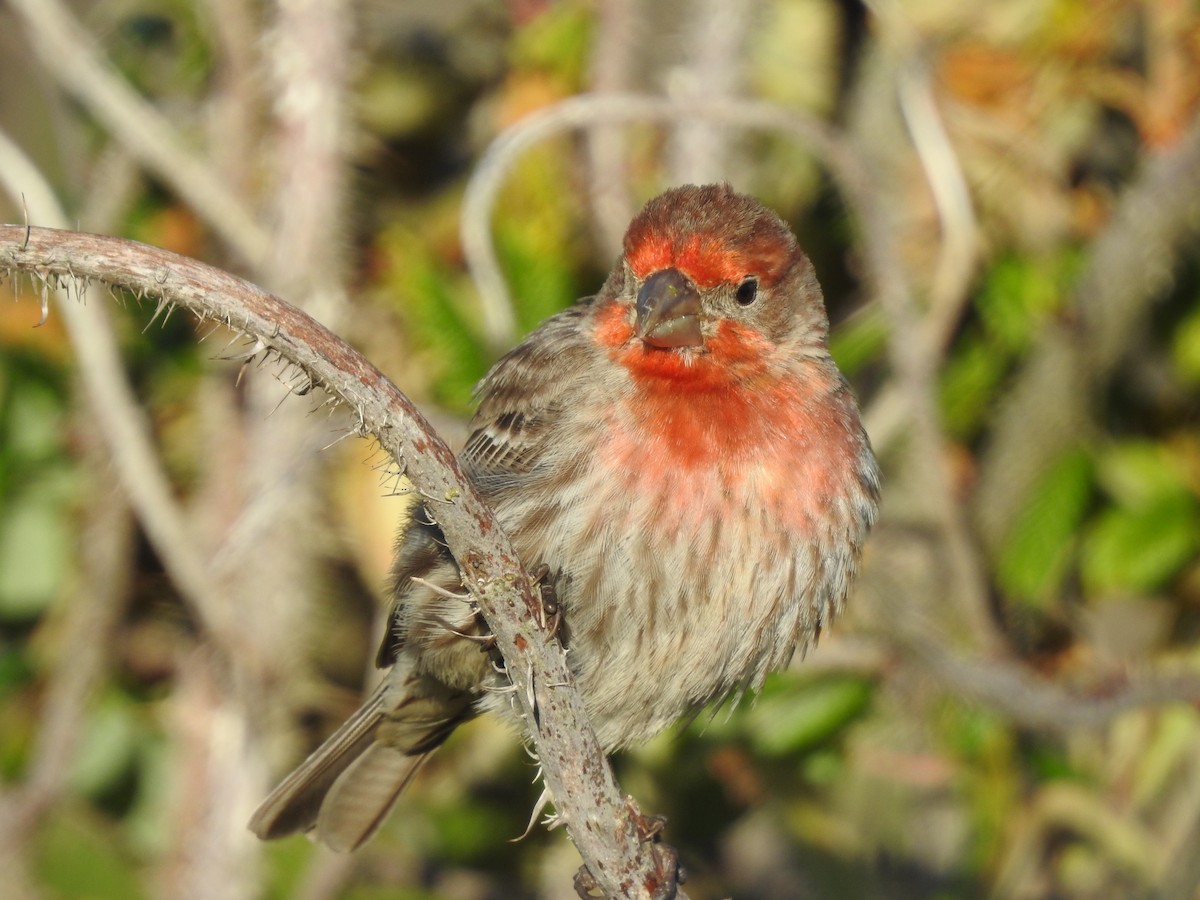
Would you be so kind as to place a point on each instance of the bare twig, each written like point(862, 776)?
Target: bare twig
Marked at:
point(1036, 702)
point(266, 558)
point(236, 103)
point(912, 344)
point(1062, 806)
point(310, 53)
point(602, 824)
point(1180, 878)
point(958, 252)
point(906, 568)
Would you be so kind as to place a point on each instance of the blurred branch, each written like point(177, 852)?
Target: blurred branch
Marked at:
point(1022, 696)
point(214, 780)
point(906, 567)
point(113, 182)
point(1071, 808)
point(326, 875)
point(236, 104)
point(614, 52)
point(958, 251)
point(310, 51)
point(69, 54)
point(602, 824)
point(261, 502)
point(1180, 878)
point(1049, 409)
point(715, 39)
point(105, 551)
point(912, 341)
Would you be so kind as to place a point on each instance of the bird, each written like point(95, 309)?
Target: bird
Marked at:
point(681, 458)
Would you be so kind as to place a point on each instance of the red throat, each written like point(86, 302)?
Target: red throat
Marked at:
point(734, 359)
point(694, 422)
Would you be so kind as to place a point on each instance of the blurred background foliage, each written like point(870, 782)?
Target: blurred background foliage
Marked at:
point(1025, 725)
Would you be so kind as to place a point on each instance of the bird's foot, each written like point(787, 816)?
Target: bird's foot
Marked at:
point(551, 612)
point(586, 885)
point(666, 886)
point(666, 857)
point(669, 875)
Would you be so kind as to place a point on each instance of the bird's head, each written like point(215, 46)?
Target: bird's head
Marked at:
point(708, 272)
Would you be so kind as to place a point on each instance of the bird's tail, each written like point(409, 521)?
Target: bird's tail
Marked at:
point(345, 789)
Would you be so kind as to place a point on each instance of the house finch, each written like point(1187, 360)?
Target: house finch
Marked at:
point(683, 459)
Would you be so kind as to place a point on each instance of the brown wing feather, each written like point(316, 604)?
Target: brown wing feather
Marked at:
point(520, 401)
point(294, 804)
point(523, 398)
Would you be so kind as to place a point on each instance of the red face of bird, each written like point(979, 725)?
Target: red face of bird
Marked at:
point(711, 271)
point(716, 323)
point(705, 264)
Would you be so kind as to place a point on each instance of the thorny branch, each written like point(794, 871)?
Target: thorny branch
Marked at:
point(602, 824)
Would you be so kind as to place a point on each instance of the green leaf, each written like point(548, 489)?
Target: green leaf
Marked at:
point(1018, 295)
point(540, 279)
point(146, 822)
point(108, 748)
point(859, 340)
point(287, 864)
point(1185, 348)
point(34, 422)
point(1139, 473)
point(792, 720)
point(1034, 558)
point(469, 831)
point(969, 381)
point(1140, 550)
point(34, 552)
point(76, 857)
point(558, 40)
point(15, 671)
point(439, 327)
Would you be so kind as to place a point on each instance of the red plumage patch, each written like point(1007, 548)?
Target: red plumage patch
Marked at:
point(736, 355)
point(724, 413)
point(699, 406)
point(708, 260)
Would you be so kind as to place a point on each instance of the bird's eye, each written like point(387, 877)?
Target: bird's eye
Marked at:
point(747, 291)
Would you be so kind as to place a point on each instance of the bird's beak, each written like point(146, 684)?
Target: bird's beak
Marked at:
point(668, 311)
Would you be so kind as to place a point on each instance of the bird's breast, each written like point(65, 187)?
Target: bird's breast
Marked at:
point(786, 449)
point(695, 540)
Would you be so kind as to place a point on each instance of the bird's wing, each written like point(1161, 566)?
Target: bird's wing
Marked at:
point(522, 402)
point(523, 399)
